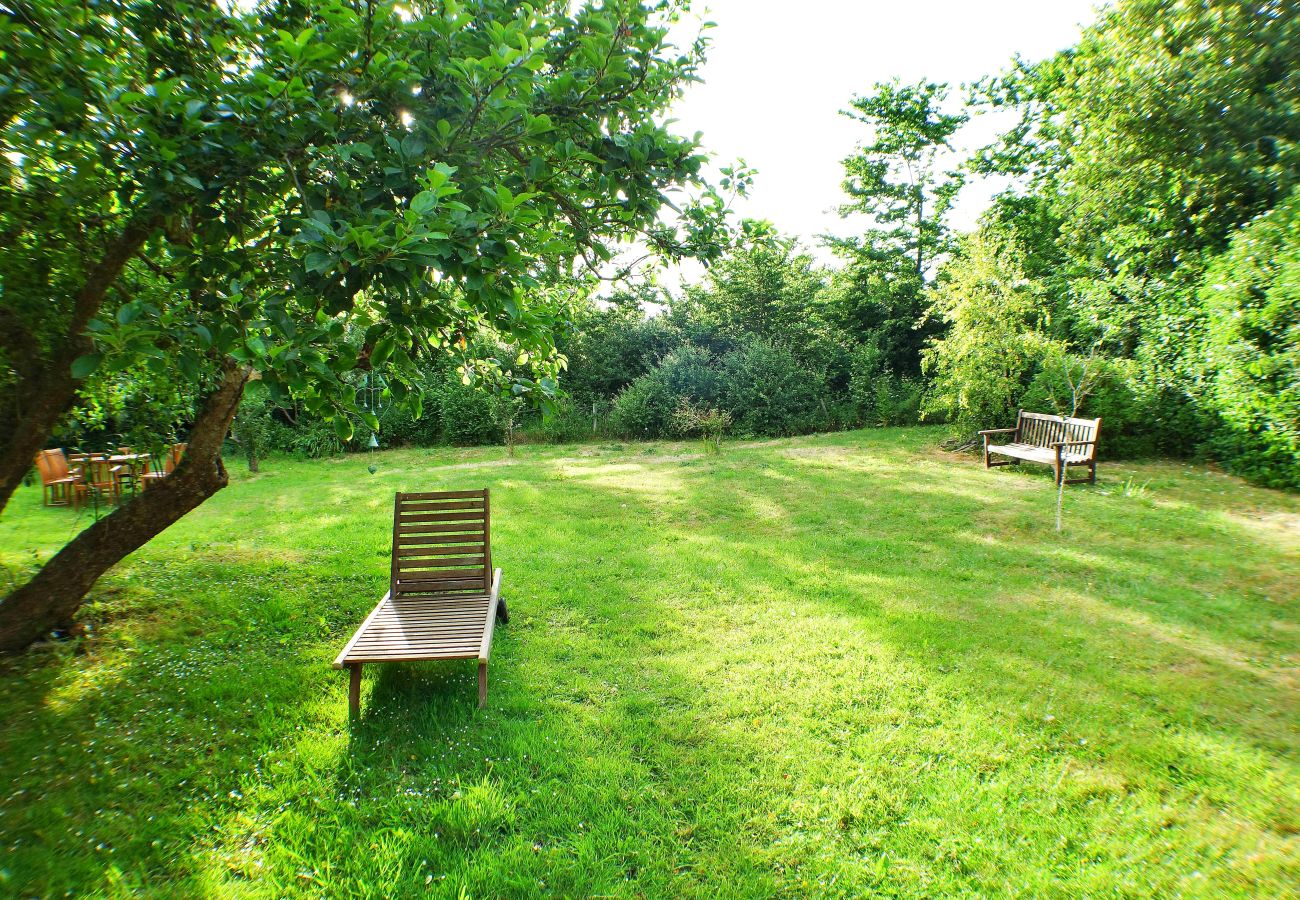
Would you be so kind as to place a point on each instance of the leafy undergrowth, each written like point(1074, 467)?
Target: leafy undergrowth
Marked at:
point(825, 666)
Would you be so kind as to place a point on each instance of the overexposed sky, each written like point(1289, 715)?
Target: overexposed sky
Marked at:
point(778, 72)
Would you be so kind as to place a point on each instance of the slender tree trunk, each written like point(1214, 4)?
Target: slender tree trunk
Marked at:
point(45, 394)
point(55, 593)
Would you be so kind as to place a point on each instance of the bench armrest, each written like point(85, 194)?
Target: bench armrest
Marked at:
point(998, 431)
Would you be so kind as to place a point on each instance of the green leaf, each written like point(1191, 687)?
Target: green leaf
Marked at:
point(383, 349)
point(319, 261)
point(424, 202)
point(82, 366)
point(343, 427)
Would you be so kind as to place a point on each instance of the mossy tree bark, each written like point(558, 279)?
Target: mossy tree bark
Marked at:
point(54, 594)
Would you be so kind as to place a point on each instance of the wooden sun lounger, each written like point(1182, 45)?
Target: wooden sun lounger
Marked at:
point(444, 596)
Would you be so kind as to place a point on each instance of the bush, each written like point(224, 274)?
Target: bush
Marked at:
point(565, 423)
point(877, 396)
point(1252, 302)
point(469, 415)
point(1111, 395)
point(645, 407)
point(705, 422)
point(769, 392)
point(311, 438)
point(253, 428)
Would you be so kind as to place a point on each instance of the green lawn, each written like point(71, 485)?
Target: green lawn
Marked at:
point(826, 666)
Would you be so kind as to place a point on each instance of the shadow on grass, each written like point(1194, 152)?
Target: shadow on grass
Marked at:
point(810, 671)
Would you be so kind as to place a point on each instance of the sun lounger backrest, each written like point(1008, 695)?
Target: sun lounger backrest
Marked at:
point(441, 544)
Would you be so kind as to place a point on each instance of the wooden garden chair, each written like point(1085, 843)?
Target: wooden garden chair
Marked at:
point(170, 462)
point(58, 481)
point(101, 477)
point(443, 596)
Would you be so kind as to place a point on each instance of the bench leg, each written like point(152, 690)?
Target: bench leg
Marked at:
point(354, 690)
point(482, 685)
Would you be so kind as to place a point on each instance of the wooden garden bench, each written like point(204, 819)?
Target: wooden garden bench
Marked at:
point(443, 595)
point(1057, 441)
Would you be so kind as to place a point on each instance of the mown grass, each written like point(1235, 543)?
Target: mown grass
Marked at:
point(827, 666)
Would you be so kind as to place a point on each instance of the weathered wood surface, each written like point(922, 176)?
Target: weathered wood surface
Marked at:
point(444, 596)
point(1057, 441)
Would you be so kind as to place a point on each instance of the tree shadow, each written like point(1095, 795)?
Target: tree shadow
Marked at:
point(788, 666)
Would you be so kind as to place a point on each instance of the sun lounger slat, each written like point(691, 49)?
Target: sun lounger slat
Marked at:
point(444, 596)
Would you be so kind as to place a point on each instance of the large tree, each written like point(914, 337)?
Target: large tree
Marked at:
point(1139, 154)
point(318, 186)
point(898, 179)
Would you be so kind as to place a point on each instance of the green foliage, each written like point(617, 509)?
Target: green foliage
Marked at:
point(705, 422)
point(469, 415)
point(253, 427)
point(997, 335)
point(1145, 148)
point(879, 397)
point(565, 422)
point(615, 344)
point(421, 173)
point(645, 408)
point(896, 179)
point(768, 288)
point(1252, 302)
point(768, 391)
point(315, 439)
point(1110, 394)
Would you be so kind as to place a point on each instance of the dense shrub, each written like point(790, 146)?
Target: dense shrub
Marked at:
point(768, 391)
point(310, 438)
point(1252, 300)
point(469, 415)
point(876, 395)
point(645, 408)
point(1109, 393)
point(612, 348)
point(564, 423)
point(997, 338)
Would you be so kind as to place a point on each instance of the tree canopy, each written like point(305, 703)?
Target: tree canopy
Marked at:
point(201, 191)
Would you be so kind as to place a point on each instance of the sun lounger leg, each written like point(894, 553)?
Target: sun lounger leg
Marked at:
point(354, 690)
point(482, 685)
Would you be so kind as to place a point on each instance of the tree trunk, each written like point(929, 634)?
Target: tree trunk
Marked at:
point(55, 593)
point(45, 394)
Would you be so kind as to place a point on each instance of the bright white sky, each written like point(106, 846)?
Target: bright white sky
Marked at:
point(779, 72)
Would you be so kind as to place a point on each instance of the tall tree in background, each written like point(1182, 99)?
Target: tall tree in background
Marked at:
point(897, 179)
point(1139, 156)
point(766, 287)
point(320, 187)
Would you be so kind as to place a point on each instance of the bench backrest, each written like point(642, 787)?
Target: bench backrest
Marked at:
point(441, 544)
point(1042, 430)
